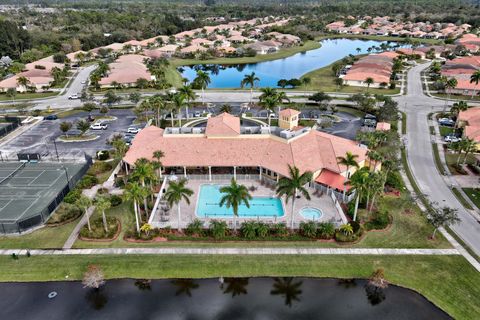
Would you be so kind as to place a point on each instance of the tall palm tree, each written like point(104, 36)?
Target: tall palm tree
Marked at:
point(102, 203)
point(23, 81)
point(135, 192)
point(234, 195)
point(176, 192)
point(292, 185)
point(159, 154)
point(178, 102)
point(269, 103)
point(359, 182)
point(349, 161)
point(475, 78)
point(449, 85)
point(306, 81)
point(250, 80)
point(267, 92)
point(202, 80)
point(144, 172)
point(369, 81)
point(84, 203)
point(189, 94)
point(470, 146)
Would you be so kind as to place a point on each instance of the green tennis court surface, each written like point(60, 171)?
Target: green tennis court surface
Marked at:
point(26, 189)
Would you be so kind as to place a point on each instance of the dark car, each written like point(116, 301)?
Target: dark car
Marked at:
point(51, 117)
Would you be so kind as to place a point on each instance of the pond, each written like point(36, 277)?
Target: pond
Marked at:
point(269, 72)
point(232, 298)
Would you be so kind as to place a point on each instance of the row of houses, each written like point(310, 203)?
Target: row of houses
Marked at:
point(469, 120)
point(377, 67)
point(126, 70)
point(387, 26)
point(462, 68)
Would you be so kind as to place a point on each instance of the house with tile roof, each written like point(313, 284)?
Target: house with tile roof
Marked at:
point(469, 120)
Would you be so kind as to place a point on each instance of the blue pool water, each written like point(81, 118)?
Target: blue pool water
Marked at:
point(294, 66)
point(310, 213)
point(209, 199)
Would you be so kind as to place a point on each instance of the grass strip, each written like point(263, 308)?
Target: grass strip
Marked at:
point(453, 287)
point(438, 161)
point(404, 123)
point(462, 199)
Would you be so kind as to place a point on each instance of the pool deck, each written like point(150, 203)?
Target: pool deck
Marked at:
point(188, 212)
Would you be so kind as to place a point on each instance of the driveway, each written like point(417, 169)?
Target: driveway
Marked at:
point(40, 137)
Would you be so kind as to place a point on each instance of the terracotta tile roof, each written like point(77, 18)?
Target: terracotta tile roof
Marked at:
point(471, 116)
point(127, 69)
point(312, 151)
point(332, 179)
point(223, 125)
point(289, 112)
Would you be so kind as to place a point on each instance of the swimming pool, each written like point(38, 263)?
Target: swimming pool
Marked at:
point(310, 213)
point(209, 198)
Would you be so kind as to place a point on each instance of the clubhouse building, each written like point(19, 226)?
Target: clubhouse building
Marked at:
point(223, 149)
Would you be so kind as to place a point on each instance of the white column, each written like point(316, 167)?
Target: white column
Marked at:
point(185, 172)
point(260, 174)
point(278, 177)
point(209, 173)
point(235, 173)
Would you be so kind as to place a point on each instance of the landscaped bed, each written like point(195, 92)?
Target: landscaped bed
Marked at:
point(474, 195)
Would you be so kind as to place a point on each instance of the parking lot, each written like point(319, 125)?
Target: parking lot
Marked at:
point(39, 139)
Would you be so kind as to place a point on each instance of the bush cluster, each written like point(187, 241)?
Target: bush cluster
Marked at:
point(100, 167)
point(379, 220)
point(65, 212)
point(98, 230)
point(73, 196)
point(87, 182)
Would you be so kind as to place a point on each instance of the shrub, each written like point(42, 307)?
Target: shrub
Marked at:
point(249, 229)
point(72, 196)
point(379, 220)
point(65, 212)
point(119, 182)
point(279, 229)
point(340, 236)
point(115, 200)
point(103, 155)
point(394, 180)
point(326, 230)
point(98, 231)
point(87, 182)
point(262, 229)
point(100, 167)
point(195, 228)
point(355, 226)
point(308, 229)
point(218, 229)
point(102, 191)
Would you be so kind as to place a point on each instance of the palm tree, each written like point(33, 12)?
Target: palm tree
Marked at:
point(291, 186)
point(135, 192)
point(358, 50)
point(450, 84)
point(82, 126)
point(226, 108)
point(202, 80)
point(65, 126)
point(359, 181)
point(267, 92)
point(349, 161)
point(176, 192)
point(306, 81)
point(470, 146)
point(188, 94)
point(102, 204)
point(269, 103)
point(23, 82)
point(287, 288)
point(234, 195)
point(159, 154)
point(143, 172)
point(250, 80)
point(84, 203)
point(475, 78)
point(178, 102)
point(369, 81)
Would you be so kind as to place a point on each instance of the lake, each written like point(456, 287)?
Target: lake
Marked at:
point(235, 298)
point(269, 72)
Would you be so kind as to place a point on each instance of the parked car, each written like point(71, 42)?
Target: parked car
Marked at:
point(99, 126)
point(50, 117)
point(452, 138)
point(197, 114)
point(133, 130)
point(446, 122)
point(74, 96)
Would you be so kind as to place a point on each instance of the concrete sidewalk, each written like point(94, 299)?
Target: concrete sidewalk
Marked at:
point(236, 251)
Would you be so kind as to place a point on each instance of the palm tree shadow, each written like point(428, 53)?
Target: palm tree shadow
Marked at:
point(185, 286)
point(235, 286)
point(96, 298)
point(287, 288)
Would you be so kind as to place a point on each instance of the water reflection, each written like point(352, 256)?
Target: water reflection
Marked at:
point(143, 284)
point(289, 288)
point(347, 283)
point(96, 298)
point(235, 286)
point(185, 286)
point(375, 295)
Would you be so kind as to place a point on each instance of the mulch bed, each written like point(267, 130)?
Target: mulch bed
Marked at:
point(115, 236)
point(156, 239)
point(58, 224)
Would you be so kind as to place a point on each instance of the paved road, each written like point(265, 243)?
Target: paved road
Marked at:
point(420, 156)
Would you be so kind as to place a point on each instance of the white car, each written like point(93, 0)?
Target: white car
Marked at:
point(84, 81)
point(197, 114)
point(74, 97)
point(99, 126)
point(452, 139)
point(133, 130)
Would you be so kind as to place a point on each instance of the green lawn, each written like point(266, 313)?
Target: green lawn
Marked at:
point(27, 96)
point(44, 238)
point(282, 53)
point(456, 97)
point(462, 200)
point(474, 195)
point(438, 161)
point(323, 80)
point(448, 281)
point(451, 160)
point(408, 231)
point(444, 131)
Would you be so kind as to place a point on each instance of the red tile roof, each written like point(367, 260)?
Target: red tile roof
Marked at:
point(332, 179)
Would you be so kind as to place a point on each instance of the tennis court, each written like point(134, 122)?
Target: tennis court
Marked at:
point(29, 192)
